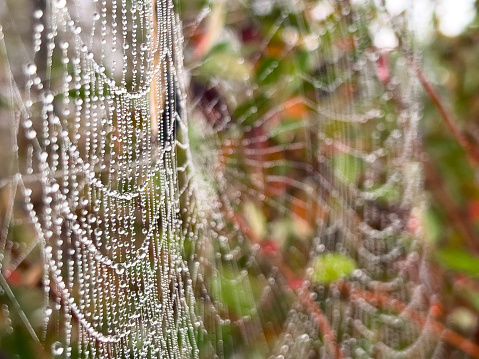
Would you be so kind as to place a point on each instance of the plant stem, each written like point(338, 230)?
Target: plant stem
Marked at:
point(383, 300)
point(471, 150)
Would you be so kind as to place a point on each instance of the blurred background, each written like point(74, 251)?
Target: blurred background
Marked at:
point(446, 36)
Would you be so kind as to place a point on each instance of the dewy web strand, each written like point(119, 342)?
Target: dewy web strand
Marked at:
point(55, 193)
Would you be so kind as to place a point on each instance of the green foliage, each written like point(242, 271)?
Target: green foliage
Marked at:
point(225, 63)
point(459, 260)
point(226, 289)
point(347, 168)
point(330, 267)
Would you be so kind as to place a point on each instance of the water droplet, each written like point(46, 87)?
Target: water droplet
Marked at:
point(311, 42)
point(141, 253)
point(30, 69)
point(48, 98)
point(38, 14)
point(262, 7)
point(304, 337)
point(120, 268)
point(57, 349)
point(60, 4)
point(31, 134)
point(290, 36)
point(39, 27)
point(27, 123)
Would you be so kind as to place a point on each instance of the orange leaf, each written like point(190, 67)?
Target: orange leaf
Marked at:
point(474, 210)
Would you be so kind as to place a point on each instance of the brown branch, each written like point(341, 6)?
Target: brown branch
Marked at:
point(213, 28)
point(453, 211)
point(384, 301)
point(157, 91)
point(466, 282)
point(321, 320)
point(470, 149)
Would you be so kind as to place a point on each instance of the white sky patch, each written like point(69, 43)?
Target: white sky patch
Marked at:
point(455, 15)
point(395, 7)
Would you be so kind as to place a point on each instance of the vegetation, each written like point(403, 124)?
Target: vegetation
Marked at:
point(283, 233)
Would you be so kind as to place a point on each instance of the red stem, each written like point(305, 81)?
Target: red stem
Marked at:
point(470, 149)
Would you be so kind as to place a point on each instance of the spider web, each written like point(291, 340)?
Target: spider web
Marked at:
point(265, 201)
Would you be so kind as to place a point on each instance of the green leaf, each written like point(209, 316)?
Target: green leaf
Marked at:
point(248, 112)
point(270, 71)
point(346, 167)
point(224, 63)
point(332, 266)
point(459, 260)
point(286, 130)
point(255, 218)
point(388, 193)
point(225, 287)
point(432, 225)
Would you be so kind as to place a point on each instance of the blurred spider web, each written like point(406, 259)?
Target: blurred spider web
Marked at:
point(257, 195)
